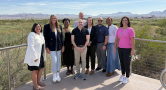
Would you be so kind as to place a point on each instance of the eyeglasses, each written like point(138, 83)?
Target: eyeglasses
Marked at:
point(100, 20)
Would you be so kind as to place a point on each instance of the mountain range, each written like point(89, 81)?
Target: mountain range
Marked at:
point(73, 16)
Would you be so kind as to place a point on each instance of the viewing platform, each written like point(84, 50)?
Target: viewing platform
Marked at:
point(97, 81)
point(146, 67)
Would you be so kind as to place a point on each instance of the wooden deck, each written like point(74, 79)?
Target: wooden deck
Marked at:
point(98, 81)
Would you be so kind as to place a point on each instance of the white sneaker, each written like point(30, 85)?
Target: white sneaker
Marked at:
point(126, 80)
point(121, 78)
point(54, 78)
point(58, 79)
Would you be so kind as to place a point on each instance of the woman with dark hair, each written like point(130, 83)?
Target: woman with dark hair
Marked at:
point(112, 58)
point(91, 48)
point(35, 55)
point(68, 54)
point(54, 45)
point(125, 42)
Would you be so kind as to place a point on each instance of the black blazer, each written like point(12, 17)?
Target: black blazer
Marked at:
point(50, 38)
point(93, 35)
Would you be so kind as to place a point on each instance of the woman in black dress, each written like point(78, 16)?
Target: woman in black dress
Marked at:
point(68, 54)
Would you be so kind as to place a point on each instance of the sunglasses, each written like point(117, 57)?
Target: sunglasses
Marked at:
point(100, 20)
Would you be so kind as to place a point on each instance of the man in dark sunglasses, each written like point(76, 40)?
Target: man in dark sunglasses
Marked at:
point(102, 39)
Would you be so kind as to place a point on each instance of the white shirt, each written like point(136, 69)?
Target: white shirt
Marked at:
point(55, 32)
point(89, 30)
point(75, 23)
point(112, 33)
point(33, 52)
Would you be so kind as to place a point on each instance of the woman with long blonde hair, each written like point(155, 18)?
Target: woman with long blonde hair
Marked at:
point(54, 45)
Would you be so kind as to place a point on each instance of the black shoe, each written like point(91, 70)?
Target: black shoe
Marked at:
point(104, 70)
point(98, 68)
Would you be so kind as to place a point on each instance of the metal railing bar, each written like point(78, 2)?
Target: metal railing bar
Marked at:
point(11, 47)
point(150, 40)
point(8, 64)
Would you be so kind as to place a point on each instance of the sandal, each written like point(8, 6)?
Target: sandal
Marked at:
point(41, 84)
point(38, 88)
point(68, 72)
point(72, 72)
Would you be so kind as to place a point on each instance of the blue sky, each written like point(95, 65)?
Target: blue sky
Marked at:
point(90, 7)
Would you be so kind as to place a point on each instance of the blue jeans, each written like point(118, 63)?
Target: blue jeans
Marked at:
point(113, 61)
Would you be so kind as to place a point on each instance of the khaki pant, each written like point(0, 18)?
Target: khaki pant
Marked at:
point(77, 55)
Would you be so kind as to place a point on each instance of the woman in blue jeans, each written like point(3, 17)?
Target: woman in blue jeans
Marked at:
point(112, 58)
point(54, 45)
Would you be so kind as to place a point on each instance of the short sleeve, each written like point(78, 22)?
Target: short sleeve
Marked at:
point(87, 33)
point(132, 33)
point(115, 30)
point(106, 31)
point(73, 32)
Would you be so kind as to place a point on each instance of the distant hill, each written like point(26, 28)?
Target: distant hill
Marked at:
point(73, 16)
point(121, 14)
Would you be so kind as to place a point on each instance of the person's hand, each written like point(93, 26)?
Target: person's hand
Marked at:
point(73, 47)
point(89, 44)
point(47, 50)
point(63, 48)
point(36, 60)
point(132, 52)
point(81, 49)
point(78, 49)
point(104, 47)
point(115, 50)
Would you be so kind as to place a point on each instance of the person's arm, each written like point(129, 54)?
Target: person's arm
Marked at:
point(45, 33)
point(115, 44)
point(116, 40)
point(31, 44)
point(132, 44)
point(132, 35)
point(72, 40)
point(87, 41)
point(95, 37)
point(62, 36)
point(106, 38)
point(62, 41)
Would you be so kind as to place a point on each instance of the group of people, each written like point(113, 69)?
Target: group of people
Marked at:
point(113, 47)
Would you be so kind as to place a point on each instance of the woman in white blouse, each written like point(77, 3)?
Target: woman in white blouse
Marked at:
point(112, 58)
point(35, 55)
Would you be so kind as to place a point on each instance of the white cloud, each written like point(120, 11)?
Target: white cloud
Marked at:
point(65, 7)
point(27, 4)
point(42, 4)
point(80, 5)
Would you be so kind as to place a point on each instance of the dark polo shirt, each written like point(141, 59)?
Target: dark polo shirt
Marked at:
point(102, 32)
point(80, 36)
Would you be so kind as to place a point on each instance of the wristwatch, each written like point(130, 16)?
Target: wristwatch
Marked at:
point(105, 45)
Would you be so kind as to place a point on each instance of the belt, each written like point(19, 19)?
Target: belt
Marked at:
point(100, 42)
point(80, 45)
